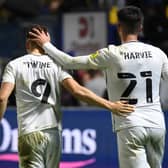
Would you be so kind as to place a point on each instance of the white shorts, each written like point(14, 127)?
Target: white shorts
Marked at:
point(141, 147)
point(40, 149)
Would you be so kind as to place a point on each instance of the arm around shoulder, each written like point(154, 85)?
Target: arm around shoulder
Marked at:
point(83, 94)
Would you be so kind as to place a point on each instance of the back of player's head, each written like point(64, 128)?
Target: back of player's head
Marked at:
point(131, 19)
point(31, 29)
point(30, 43)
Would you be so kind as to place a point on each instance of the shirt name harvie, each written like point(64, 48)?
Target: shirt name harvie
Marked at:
point(136, 55)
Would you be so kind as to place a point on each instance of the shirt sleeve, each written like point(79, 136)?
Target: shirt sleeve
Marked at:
point(100, 59)
point(65, 60)
point(63, 75)
point(9, 74)
point(91, 61)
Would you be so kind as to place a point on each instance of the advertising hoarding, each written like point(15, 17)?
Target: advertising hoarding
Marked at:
point(88, 140)
point(84, 33)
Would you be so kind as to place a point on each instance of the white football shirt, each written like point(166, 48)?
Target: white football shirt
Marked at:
point(133, 71)
point(37, 85)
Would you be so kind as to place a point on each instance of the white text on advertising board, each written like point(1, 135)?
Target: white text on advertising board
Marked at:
point(75, 141)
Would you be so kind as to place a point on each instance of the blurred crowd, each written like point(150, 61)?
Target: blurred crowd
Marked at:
point(155, 28)
point(32, 8)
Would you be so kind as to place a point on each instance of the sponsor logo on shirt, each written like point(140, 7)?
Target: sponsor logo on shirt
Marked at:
point(94, 55)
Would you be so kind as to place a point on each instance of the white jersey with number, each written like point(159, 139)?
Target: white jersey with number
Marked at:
point(133, 71)
point(37, 86)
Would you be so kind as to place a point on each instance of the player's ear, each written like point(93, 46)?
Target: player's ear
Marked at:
point(27, 44)
point(141, 28)
point(119, 28)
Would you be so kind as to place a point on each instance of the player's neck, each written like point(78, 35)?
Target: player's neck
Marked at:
point(128, 38)
point(36, 52)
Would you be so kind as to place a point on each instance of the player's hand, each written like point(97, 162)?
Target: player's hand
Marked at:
point(122, 108)
point(40, 37)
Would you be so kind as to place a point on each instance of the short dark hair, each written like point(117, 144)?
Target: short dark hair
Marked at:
point(131, 18)
point(31, 27)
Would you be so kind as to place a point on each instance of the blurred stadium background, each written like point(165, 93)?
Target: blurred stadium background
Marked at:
point(77, 27)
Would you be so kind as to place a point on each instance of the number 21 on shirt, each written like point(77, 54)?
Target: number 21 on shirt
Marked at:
point(132, 85)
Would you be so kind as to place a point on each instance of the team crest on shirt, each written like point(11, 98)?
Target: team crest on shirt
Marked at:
point(94, 55)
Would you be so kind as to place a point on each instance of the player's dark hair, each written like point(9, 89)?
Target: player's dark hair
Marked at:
point(31, 27)
point(131, 18)
point(29, 36)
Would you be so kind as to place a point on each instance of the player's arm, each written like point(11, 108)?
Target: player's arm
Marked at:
point(83, 94)
point(7, 86)
point(61, 58)
point(67, 61)
point(5, 91)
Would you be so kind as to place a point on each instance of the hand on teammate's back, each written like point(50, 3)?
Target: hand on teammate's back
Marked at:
point(122, 108)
